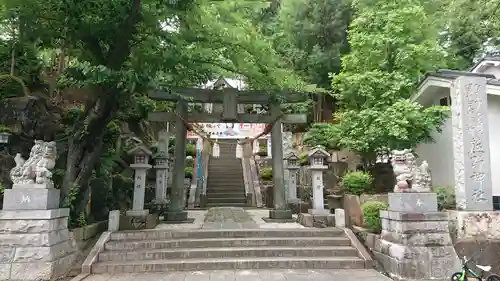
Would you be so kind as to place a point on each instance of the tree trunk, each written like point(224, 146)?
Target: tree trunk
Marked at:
point(85, 149)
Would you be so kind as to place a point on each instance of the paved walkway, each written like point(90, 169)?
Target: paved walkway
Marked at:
point(250, 275)
point(235, 218)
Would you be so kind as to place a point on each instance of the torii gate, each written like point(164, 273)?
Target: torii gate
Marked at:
point(229, 98)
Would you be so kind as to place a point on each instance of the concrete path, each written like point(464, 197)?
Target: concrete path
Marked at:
point(250, 275)
point(236, 220)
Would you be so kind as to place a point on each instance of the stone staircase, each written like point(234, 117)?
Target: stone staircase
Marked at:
point(192, 250)
point(225, 186)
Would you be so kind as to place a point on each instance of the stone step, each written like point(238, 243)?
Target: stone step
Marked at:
point(225, 189)
point(232, 233)
point(232, 194)
point(228, 264)
point(233, 204)
point(228, 242)
point(219, 253)
point(240, 199)
point(225, 184)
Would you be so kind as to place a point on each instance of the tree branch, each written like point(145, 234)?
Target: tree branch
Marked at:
point(119, 50)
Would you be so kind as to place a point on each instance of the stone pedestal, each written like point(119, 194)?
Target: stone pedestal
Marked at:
point(318, 199)
point(292, 185)
point(415, 245)
point(34, 243)
point(139, 190)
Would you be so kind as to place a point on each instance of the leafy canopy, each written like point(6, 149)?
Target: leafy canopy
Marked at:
point(392, 44)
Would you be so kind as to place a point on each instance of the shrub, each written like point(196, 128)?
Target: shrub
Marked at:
point(357, 183)
point(445, 197)
point(191, 150)
point(303, 159)
point(188, 172)
point(189, 162)
point(266, 174)
point(371, 213)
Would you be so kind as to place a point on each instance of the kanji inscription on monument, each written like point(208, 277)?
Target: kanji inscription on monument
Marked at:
point(471, 144)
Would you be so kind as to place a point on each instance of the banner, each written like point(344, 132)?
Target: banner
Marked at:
point(229, 130)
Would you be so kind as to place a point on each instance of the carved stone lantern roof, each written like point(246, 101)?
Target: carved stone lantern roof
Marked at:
point(291, 159)
point(141, 157)
point(317, 157)
point(318, 152)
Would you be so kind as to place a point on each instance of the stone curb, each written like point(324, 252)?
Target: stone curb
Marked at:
point(94, 253)
point(363, 253)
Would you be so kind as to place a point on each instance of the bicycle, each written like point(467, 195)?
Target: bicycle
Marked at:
point(462, 275)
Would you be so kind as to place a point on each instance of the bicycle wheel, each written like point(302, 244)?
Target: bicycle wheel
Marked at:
point(493, 277)
point(456, 277)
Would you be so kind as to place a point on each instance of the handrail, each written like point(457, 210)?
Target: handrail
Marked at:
point(247, 182)
point(256, 183)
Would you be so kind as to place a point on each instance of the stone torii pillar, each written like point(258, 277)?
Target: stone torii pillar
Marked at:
point(176, 212)
point(140, 166)
point(281, 210)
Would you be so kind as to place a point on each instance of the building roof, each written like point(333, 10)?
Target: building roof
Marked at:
point(452, 74)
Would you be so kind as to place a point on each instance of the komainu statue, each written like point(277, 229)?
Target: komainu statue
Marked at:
point(410, 177)
point(37, 168)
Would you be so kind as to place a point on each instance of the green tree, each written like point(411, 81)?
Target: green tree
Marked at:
point(392, 45)
point(121, 49)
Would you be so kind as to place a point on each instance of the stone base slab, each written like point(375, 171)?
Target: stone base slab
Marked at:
point(33, 185)
point(318, 212)
point(188, 220)
point(36, 271)
point(280, 214)
point(31, 199)
point(176, 216)
point(318, 221)
point(137, 223)
point(33, 226)
point(417, 202)
point(270, 220)
point(476, 225)
point(137, 213)
point(298, 206)
point(33, 214)
point(411, 216)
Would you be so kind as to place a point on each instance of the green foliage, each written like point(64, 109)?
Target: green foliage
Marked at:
point(190, 162)
point(4, 129)
point(392, 45)
point(371, 214)
point(357, 183)
point(445, 197)
point(311, 36)
point(303, 159)
point(266, 174)
point(2, 189)
point(188, 172)
point(324, 134)
point(191, 150)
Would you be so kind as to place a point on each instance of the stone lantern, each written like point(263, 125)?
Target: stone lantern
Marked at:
point(317, 157)
point(4, 138)
point(161, 167)
point(140, 166)
point(292, 166)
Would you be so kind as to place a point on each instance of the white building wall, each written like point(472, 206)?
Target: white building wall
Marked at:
point(494, 126)
point(439, 154)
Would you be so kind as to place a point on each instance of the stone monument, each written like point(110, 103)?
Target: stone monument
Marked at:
point(34, 236)
point(415, 243)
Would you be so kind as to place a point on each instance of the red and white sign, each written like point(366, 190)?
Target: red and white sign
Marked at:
point(229, 130)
